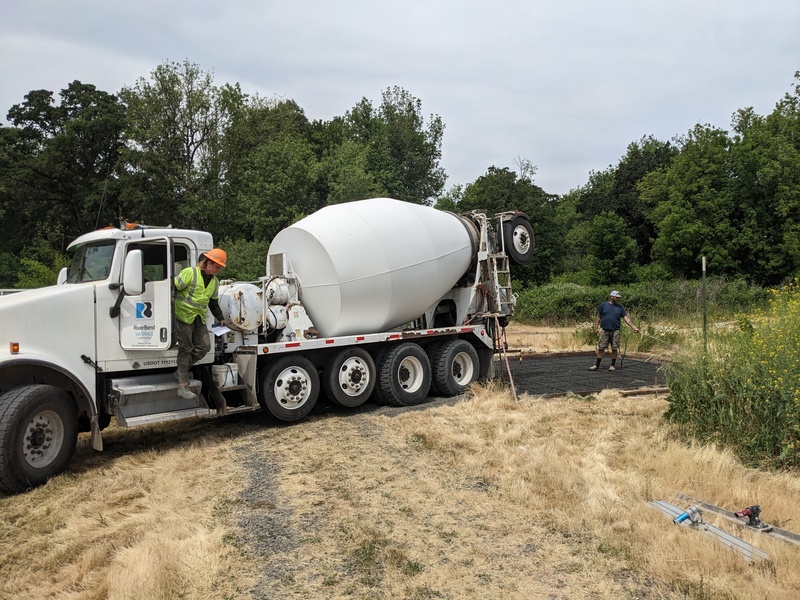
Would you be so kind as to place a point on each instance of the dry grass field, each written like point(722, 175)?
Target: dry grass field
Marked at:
point(479, 498)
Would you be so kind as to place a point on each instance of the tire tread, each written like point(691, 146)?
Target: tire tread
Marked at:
point(12, 403)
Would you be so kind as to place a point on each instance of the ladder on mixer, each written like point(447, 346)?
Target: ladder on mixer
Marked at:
point(501, 282)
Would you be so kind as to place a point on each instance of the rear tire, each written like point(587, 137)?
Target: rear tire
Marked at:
point(349, 377)
point(455, 366)
point(290, 388)
point(404, 375)
point(38, 434)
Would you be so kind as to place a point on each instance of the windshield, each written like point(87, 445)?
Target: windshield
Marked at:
point(91, 262)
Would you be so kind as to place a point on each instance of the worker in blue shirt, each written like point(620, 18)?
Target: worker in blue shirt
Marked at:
point(607, 325)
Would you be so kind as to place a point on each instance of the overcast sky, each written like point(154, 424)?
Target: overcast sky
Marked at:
point(567, 84)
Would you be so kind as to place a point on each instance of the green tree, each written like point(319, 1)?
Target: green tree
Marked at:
point(641, 158)
point(402, 152)
point(175, 170)
point(616, 189)
point(693, 208)
point(345, 175)
point(246, 259)
point(574, 264)
point(58, 164)
point(733, 199)
point(611, 251)
point(33, 274)
point(9, 270)
point(765, 164)
point(18, 194)
point(272, 168)
point(451, 199)
point(278, 188)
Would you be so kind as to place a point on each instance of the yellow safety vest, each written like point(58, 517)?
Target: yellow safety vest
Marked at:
point(193, 294)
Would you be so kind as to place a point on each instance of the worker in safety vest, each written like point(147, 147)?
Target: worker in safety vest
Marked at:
point(197, 289)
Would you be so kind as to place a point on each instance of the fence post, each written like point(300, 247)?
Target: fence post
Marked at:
point(705, 312)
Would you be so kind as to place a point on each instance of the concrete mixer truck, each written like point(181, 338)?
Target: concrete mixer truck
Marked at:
point(375, 299)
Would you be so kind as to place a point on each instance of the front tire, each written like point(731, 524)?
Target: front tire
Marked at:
point(290, 388)
point(404, 375)
point(38, 434)
point(349, 377)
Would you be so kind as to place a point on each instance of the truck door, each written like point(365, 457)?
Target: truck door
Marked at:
point(145, 321)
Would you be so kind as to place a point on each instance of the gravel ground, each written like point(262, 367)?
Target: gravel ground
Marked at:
point(264, 521)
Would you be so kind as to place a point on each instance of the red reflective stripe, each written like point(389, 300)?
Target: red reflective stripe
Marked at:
point(466, 329)
point(292, 345)
point(329, 341)
point(360, 338)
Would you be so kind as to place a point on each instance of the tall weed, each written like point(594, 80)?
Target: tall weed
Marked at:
point(745, 391)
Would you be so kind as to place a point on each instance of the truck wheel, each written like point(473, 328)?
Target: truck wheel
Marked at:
point(455, 365)
point(290, 388)
point(518, 240)
point(404, 375)
point(349, 377)
point(38, 433)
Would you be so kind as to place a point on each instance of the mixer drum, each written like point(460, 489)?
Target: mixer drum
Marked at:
point(373, 265)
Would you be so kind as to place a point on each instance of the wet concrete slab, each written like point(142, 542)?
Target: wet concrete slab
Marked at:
point(559, 374)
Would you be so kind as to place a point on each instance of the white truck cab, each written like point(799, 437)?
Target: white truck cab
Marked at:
point(62, 346)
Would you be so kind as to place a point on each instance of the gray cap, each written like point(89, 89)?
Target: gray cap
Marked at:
point(615, 294)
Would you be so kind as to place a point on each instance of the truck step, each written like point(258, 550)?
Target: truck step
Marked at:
point(230, 410)
point(172, 415)
point(148, 395)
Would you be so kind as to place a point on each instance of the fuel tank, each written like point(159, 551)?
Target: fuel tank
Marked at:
point(374, 265)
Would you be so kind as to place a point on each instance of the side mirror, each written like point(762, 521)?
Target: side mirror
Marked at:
point(62, 276)
point(133, 274)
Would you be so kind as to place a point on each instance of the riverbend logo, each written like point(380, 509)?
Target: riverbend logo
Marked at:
point(144, 310)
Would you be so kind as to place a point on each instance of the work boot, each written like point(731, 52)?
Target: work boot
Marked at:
point(612, 368)
point(185, 392)
point(593, 368)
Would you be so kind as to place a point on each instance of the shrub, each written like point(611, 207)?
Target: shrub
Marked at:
point(558, 303)
point(567, 303)
point(584, 333)
point(745, 392)
point(657, 337)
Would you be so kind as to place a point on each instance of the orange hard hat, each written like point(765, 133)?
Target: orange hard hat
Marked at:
point(218, 256)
